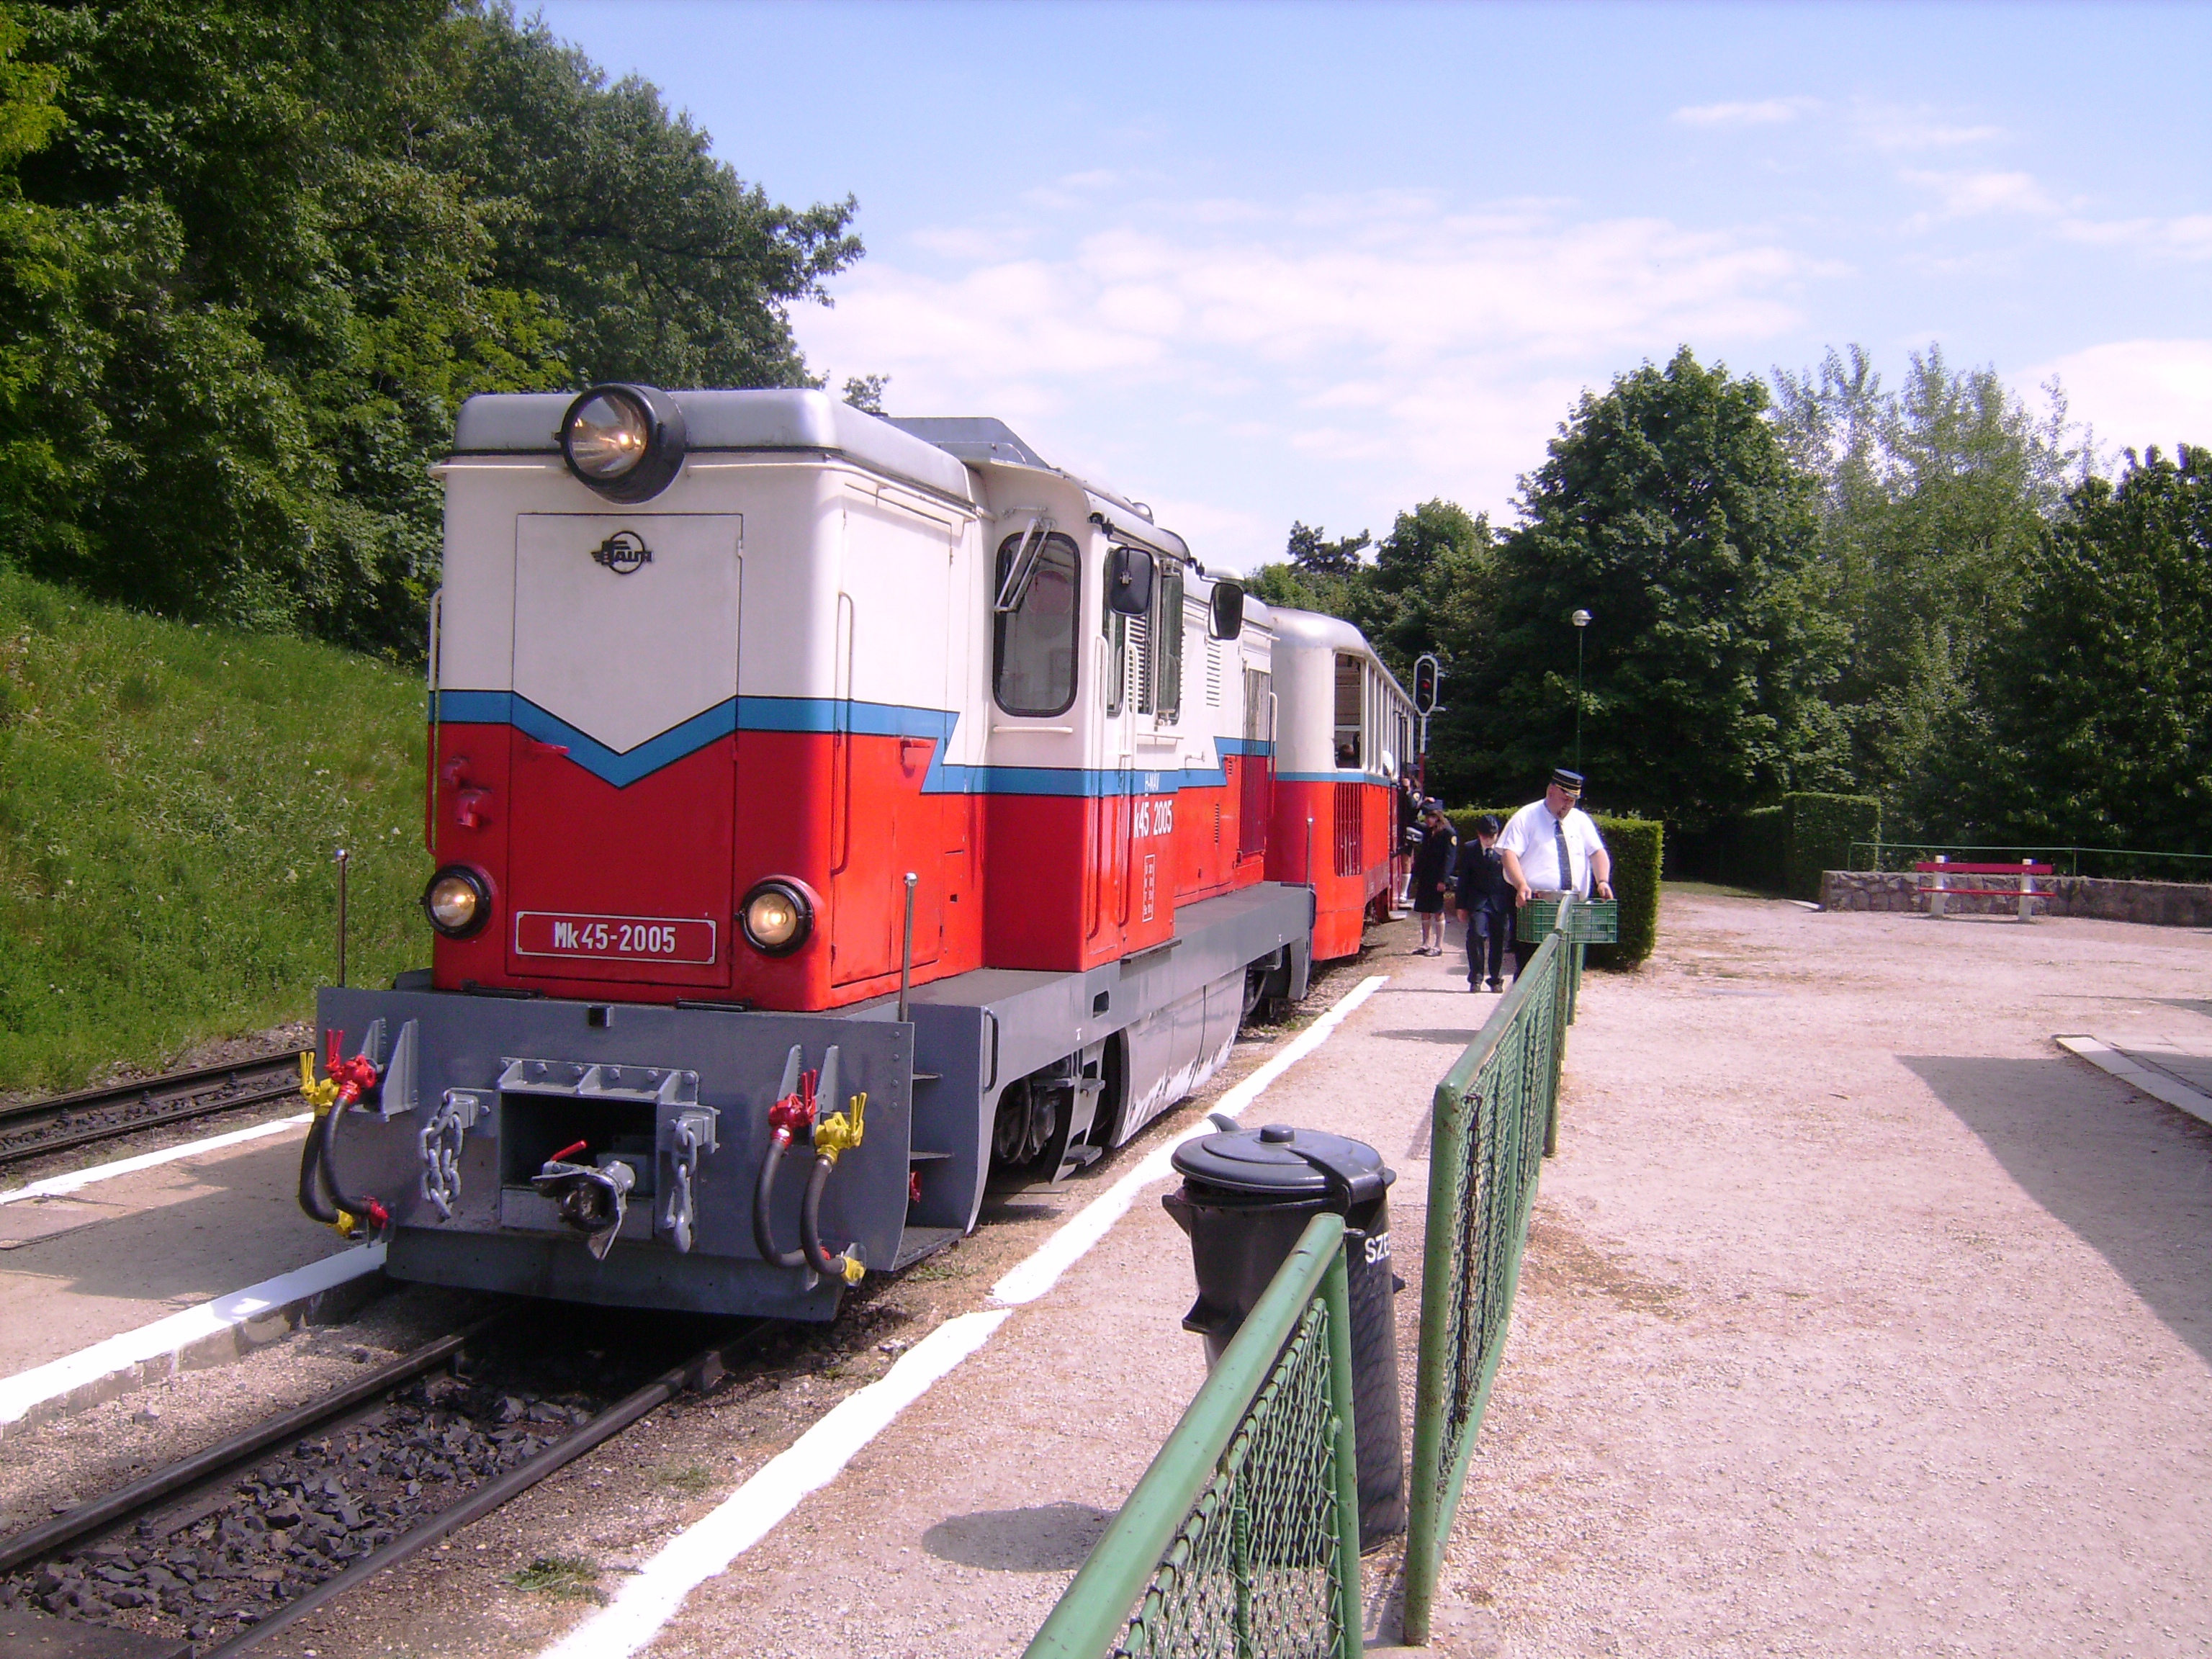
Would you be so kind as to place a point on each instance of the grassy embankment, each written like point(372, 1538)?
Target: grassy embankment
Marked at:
point(170, 798)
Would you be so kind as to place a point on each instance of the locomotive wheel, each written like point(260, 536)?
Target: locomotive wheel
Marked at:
point(1010, 1132)
point(1027, 1119)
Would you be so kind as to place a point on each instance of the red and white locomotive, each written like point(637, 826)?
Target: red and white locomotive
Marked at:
point(803, 782)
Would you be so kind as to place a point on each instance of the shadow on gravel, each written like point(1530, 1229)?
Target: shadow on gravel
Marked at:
point(2131, 1177)
point(1050, 1538)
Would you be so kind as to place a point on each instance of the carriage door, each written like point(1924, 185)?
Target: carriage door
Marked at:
point(623, 786)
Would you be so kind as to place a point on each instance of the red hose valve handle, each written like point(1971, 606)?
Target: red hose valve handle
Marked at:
point(355, 1078)
point(795, 1112)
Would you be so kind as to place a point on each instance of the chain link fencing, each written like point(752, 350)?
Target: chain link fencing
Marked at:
point(1242, 1541)
point(1496, 1116)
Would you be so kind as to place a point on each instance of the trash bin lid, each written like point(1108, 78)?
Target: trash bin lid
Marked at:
point(1296, 1164)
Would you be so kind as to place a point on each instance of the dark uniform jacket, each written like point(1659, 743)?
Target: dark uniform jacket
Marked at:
point(1481, 879)
point(1432, 859)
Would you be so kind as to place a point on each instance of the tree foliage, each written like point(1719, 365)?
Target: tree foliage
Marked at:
point(254, 253)
point(1933, 501)
point(2098, 712)
point(1668, 509)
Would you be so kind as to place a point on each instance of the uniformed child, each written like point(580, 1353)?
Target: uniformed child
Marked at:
point(1484, 898)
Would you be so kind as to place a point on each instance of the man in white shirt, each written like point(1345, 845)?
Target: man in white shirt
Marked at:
point(1551, 846)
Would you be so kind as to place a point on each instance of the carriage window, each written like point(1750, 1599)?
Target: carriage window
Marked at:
point(1168, 682)
point(1351, 683)
point(1033, 665)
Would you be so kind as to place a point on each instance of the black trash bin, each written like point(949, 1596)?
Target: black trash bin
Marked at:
point(1247, 1196)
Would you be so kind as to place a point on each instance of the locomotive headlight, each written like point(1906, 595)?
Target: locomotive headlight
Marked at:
point(625, 441)
point(777, 917)
point(458, 902)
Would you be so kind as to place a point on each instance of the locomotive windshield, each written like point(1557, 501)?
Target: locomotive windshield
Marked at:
point(1033, 669)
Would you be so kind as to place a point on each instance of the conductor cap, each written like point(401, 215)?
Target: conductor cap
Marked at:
point(1570, 781)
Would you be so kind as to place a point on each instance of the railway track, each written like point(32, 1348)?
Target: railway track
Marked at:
point(221, 1550)
point(34, 1128)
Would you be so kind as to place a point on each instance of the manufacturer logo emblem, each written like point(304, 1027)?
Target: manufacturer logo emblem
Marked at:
point(622, 552)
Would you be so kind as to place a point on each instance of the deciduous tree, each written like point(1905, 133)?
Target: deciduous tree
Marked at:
point(1669, 509)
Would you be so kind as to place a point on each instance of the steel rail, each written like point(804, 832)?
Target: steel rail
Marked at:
point(699, 1372)
point(49, 1537)
point(146, 1087)
point(196, 1093)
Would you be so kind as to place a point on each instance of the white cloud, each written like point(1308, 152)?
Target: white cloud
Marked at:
point(1352, 355)
point(1886, 128)
point(2189, 237)
point(1764, 111)
point(2137, 392)
point(1963, 195)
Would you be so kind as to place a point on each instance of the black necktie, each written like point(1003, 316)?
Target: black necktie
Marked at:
point(1566, 870)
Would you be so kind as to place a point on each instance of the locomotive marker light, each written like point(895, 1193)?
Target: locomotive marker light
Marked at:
point(458, 902)
point(777, 917)
point(625, 441)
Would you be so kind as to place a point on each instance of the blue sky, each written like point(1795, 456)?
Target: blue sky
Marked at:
point(1253, 263)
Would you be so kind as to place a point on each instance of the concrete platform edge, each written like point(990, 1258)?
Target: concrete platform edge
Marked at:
point(2172, 1091)
point(213, 1334)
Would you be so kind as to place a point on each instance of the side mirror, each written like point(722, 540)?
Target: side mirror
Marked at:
point(1129, 581)
point(1228, 609)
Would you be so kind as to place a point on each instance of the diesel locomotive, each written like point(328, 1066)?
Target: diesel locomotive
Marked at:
point(832, 817)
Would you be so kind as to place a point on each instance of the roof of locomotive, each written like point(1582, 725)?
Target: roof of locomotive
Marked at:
point(529, 423)
point(981, 441)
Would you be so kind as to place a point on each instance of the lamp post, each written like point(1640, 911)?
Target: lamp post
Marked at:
point(1580, 619)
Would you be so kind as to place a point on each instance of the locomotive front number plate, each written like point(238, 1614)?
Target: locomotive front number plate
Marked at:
point(621, 939)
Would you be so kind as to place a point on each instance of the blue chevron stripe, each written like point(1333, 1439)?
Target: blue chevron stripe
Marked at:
point(622, 768)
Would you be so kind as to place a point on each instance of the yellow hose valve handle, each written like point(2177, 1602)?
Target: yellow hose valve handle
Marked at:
point(346, 1226)
point(321, 1096)
point(833, 1135)
point(853, 1270)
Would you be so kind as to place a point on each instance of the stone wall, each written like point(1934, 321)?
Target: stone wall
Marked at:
point(2155, 904)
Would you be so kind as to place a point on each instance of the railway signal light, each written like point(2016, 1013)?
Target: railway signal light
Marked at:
point(1428, 674)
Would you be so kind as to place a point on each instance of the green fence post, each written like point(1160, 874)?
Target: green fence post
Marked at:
point(1336, 1295)
point(1424, 1547)
point(1124, 1571)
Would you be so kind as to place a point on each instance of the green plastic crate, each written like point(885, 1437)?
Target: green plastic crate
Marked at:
point(1596, 922)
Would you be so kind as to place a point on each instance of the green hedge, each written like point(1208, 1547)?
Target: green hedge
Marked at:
point(1782, 849)
point(1821, 830)
point(1635, 844)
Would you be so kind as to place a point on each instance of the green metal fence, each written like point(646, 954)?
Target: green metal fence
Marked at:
point(1241, 1541)
point(1496, 1115)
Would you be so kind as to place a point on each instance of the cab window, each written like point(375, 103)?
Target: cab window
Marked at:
point(1035, 636)
point(1168, 633)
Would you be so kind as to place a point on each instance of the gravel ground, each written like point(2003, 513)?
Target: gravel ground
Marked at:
point(58, 1461)
point(1857, 1317)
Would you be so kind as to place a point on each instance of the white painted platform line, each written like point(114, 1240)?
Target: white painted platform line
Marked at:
point(54, 1186)
point(649, 1600)
point(165, 1339)
point(2157, 1085)
point(1041, 1271)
